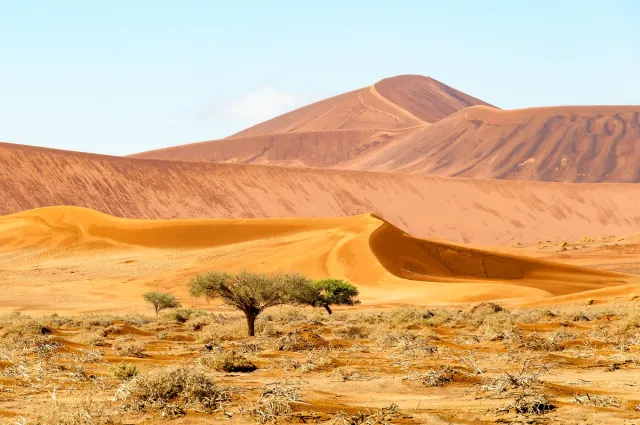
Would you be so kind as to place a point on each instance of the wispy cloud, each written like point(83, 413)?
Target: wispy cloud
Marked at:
point(261, 104)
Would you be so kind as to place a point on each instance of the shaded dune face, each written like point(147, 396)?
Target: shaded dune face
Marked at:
point(424, 97)
point(416, 259)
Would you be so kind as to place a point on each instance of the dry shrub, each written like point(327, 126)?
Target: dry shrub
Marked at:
point(409, 317)
point(432, 378)
point(528, 403)
point(408, 342)
point(224, 330)
point(297, 341)
point(383, 416)
point(353, 332)
point(275, 402)
point(351, 374)
point(534, 315)
point(172, 391)
point(596, 400)
point(316, 360)
point(526, 378)
point(124, 371)
point(496, 326)
point(91, 338)
point(182, 315)
point(83, 411)
point(128, 349)
point(485, 308)
point(227, 361)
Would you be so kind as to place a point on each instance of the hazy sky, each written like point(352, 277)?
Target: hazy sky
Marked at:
point(120, 77)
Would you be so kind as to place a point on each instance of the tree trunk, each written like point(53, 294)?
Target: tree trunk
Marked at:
point(326, 306)
point(251, 325)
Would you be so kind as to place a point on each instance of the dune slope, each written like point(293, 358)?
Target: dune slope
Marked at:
point(471, 211)
point(75, 259)
point(571, 144)
point(332, 131)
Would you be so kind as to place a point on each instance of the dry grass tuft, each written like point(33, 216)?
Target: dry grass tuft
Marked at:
point(172, 391)
point(227, 361)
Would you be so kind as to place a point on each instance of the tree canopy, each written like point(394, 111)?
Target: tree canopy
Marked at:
point(161, 300)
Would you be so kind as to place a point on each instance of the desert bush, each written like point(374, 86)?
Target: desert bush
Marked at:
point(383, 416)
point(82, 411)
point(409, 343)
point(407, 317)
point(225, 331)
point(596, 400)
point(172, 391)
point(528, 403)
point(227, 361)
point(485, 308)
point(497, 326)
point(128, 349)
point(124, 371)
point(182, 315)
point(432, 378)
point(161, 300)
point(274, 402)
point(354, 332)
point(294, 341)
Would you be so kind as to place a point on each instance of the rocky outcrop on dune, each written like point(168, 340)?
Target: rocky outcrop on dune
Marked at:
point(461, 210)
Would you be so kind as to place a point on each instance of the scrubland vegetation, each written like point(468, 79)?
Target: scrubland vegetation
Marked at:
point(570, 364)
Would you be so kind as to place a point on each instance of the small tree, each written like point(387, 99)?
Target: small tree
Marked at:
point(334, 292)
point(251, 292)
point(161, 300)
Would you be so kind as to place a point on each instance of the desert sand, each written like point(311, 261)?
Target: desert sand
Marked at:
point(89, 261)
point(486, 212)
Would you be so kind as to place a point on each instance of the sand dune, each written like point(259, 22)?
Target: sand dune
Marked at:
point(425, 98)
point(320, 149)
point(330, 132)
point(571, 144)
point(396, 102)
point(485, 212)
point(565, 144)
point(86, 260)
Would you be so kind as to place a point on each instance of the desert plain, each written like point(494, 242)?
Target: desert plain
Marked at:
point(495, 254)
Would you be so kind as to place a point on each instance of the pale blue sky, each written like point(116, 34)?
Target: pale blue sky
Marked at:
point(120, 77)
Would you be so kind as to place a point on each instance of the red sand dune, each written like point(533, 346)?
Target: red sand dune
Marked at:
point(572, 144)
point(386, 127)
point(459, 210)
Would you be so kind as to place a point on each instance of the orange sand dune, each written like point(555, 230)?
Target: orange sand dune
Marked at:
point(393, 103)
point(331, 132)
point(487, 212)
point(571, 144)
point(70, 259)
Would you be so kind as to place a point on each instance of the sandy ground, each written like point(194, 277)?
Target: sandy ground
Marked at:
point(68, 259)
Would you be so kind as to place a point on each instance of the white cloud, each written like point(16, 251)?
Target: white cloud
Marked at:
point(261, 104)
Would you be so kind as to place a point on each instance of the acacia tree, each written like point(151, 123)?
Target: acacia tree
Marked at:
point(333, 291)
point(251, 292)
point(161, 300)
